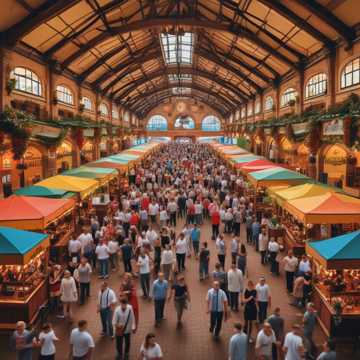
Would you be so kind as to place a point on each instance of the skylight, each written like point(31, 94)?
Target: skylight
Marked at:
point(181, 91)
point(177, 49)
point(179, 77)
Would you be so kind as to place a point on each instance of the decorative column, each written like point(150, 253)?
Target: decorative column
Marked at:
point(332, 76)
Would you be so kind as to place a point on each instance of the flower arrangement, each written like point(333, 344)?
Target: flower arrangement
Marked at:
point(10, 86)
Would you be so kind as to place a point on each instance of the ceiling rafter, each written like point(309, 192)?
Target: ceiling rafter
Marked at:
point(41, 14)
point(235, 29)
point(191, 71)
point(330, 19)
point(301, 23)
point(133, 101)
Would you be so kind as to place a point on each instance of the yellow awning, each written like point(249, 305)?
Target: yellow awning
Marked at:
point(84, 187)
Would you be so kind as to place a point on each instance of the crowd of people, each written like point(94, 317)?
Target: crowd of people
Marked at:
point(149, 232)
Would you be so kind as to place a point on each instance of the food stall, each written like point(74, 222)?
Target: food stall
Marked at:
point(319, 217)
point(52, 216)
point(336, 265)
point(23, 275)
point(108, 183)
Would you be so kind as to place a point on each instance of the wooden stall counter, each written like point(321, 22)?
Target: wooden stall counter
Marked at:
point(18, 306)
point(291, 242)
point(347, 325)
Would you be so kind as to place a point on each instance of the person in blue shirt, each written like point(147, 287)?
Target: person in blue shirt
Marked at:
point(159, 292)
point(255, 232)
point(195, 239)
point(217, 306)
point(238, 344)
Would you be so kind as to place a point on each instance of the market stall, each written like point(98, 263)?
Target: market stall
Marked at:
point(319, 217)
point(41, 191)
point(52, 216)
point(336, 265)
point(23, 275)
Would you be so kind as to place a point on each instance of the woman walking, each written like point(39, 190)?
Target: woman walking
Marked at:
point(128, 291)
point(181, 252)
point(250, 310)
point(167, 262)
point(181, 295)
point(69, 294)
point(150, 350)
point(46, 343)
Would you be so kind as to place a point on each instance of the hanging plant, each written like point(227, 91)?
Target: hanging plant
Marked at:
point(78, 136)
point(10, 86)
point(289, 132)
point(314, 138)
point(81, 108)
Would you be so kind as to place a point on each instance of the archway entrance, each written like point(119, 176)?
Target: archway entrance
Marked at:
point(334, 170)
point(184, 139)
point(33, 171)
point(87, 152)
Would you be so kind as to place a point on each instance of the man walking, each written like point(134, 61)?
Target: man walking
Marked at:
point(204, 261)
point(274, 249)
point(106, 302)
point(293, 344)
point(144, 270)
point(127, 254)
point(124, 324)
point(277, 324)
point(263, 298)
point(81, 342)
point(235, 280)
point(195, 239)
point(159, 291)
point(290, 265)
point(238, 344)
point(217, 306)
point(103, 255)
point(309, 321)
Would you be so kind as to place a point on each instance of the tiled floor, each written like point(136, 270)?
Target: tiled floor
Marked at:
point(193, 341)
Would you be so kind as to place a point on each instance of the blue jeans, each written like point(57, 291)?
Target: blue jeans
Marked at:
point(106, 321)
point(104, 267)
point(203, 269)
point(159, 309)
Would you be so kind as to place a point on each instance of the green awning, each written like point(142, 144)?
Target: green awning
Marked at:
point(41, 191)
point(277, 173)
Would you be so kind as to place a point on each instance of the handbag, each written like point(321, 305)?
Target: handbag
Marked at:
point(120, 330)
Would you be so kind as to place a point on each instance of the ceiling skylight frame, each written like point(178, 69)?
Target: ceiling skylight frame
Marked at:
point(177, 48)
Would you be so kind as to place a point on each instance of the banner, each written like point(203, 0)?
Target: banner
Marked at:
point(333, 127)
point(89, 132)
point(44, 130)
point(299, 128)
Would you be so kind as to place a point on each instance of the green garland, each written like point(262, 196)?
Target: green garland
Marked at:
point(52, 141)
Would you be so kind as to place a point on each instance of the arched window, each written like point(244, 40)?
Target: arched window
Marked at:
point(257, 107)
point(269, 103)
point(350, 75)
point(184, 122)
point(103, 109)
point(157, 123)
point(211, 123)
point(316, 86)
point(87, 103)
point(115, 112)
point(288, 96)
point(27, 81)
point(64, 95)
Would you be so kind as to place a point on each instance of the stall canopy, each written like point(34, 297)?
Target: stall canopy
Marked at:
point(32, 213)
point(102, 175)
point(255, 165)
point(329, 208)
point(84, 187)
point(277, 176)
point(41, 191)
point(338, 253)
point(17, 247)
point(123, 156)
point(302, 191)
point(244, 158)
point(117, 165)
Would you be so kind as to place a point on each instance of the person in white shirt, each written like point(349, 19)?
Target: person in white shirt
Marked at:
point(74, 248)
point(181, 248)
point(263, 245)
point(235, 245)
point(274, 249)
point(293, 344)
point(235, 280)
point(81, 342)
point(172, 210)
point(150, 350)
point(144, 270)
point(105, 305)
point(46, 342)
point(152, 236)
point(198, 213)
point(68, 293)
point(103, 254)
point(124, 324)
point(167, 261)
point(290, 265)
point(263, 299)
point(264, 342)
point(153, 211)
point(113, 246)
point(163, 217)
point(304, 265)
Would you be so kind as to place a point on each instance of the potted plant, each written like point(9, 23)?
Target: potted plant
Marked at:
point(10, 85)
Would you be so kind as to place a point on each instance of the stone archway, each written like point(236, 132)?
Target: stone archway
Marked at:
point(65, 156)
point(34, 164)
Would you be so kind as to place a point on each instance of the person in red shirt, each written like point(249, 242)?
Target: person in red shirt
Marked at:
point(134, 219)
point(145, 202)
point(206, 204)
point(215, 222)
point(191, 214)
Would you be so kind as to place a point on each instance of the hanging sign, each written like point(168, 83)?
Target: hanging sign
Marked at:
point(44, 130)
point(89, 132)
point(282, 130)
point(299, 128)
point(267, 131)
point(333, 127)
